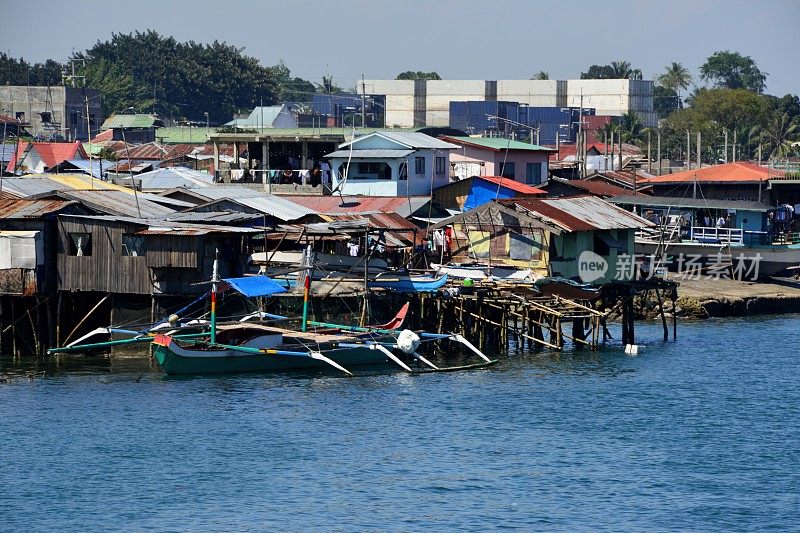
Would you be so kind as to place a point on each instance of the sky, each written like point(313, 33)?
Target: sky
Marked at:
point(460, 39)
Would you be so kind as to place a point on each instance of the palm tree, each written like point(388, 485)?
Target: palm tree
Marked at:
point(623, 70)
point(541, 75)
point(675, 77)
point(780, 133)
point(630, 126)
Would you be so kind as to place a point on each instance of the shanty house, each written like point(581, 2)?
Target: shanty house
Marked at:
point(139, 128)
point(28, 244)
point(471, 192)
point(388, 163)
point(547, 235)
point(36, 157)
point(495, 156)
point(125, 255)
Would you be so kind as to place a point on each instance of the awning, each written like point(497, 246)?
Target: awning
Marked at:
point(253, 286)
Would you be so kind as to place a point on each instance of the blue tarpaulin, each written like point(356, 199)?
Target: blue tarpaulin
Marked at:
point(253, 286)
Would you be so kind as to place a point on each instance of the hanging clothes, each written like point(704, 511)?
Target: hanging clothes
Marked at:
point(352, 249)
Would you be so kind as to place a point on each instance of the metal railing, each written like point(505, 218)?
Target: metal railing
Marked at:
point(723, 235)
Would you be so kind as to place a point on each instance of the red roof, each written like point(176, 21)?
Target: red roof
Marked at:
point(739, 172)
point(55, 153)
point(21, 149)
point(515, 186)
point(107, 135)
point(624, 177)
point(150, 151)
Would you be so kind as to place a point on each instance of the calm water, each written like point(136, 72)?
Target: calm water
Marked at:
point(702, 434)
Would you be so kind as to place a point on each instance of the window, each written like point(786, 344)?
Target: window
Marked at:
point(80, 244)
point(601, 246)
point(440, 165)
point(533, 173)
point(47, 117)
point(20, 115)
point(508, 170)
point(403, 171)
point(133, 245)
point(373, 170)
point(419, 165)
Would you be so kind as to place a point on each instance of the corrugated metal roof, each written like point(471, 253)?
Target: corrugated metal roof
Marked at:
point(95, 167)
point(213, 217)
point(173, 177)
point(156, 226)
point(15, 209)
point(402, 205)
point(80, 182)
point(149, 151)
point(118, 203)
point(371, 154)
point(692, 203)
point(269, 204)
point(412, 140)
point(739, 172)
point(139, 120)
point(497, 144)
point(581, 213)
point(24, 187)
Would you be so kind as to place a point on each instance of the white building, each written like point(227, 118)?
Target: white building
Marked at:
point(412, 103)
point(388, 163)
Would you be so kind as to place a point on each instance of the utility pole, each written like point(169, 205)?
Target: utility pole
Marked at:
point(726, 146)
point(658, 149)
point(699, 151)
point(580, 133)
point(89, 134)
point(363, 103)
point(735, 134)
point(649, 158)
point(688, 151)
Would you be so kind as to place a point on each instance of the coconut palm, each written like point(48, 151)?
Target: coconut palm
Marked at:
point(623, 70)
point(675, 77)
point(780, 134)
point(630, 126)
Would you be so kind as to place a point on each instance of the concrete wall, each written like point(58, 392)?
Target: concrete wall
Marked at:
point(66, 105)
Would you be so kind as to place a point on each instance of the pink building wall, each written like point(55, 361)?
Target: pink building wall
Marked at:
point(492, 160)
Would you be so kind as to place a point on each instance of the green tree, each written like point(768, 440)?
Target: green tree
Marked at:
point(731, 108)
point(418, 75)
point(328, 86)
point(617, 70)
point(732, 70)
point(541, 75)
point(675, 77)
point(665, 101)
point(780, 132)
point(20, 72)
point(119, 91)
point(630, 127)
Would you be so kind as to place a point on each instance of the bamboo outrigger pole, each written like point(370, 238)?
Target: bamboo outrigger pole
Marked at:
point(214, 280)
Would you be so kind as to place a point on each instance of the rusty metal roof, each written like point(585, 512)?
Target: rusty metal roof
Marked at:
point(16, 209)
point(118, 203)
point(581, 213)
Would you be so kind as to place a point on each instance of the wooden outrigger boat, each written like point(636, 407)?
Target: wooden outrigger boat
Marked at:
point(252, 347)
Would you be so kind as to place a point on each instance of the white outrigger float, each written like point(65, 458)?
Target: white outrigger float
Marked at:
point(264, 346)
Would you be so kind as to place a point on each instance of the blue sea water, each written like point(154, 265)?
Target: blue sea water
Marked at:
point(701, 434)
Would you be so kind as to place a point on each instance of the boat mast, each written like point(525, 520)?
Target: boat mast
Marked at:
point(306, 286)
point(214, 280)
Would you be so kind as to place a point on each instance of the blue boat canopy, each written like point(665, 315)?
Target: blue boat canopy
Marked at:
point(253, 286)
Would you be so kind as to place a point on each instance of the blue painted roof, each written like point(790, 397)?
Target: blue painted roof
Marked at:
point(253, 286)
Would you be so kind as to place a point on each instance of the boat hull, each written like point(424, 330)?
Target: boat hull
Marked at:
point(773, 259)
point(175, 360)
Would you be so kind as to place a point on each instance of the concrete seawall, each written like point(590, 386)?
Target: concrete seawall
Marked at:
point(720, 298)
